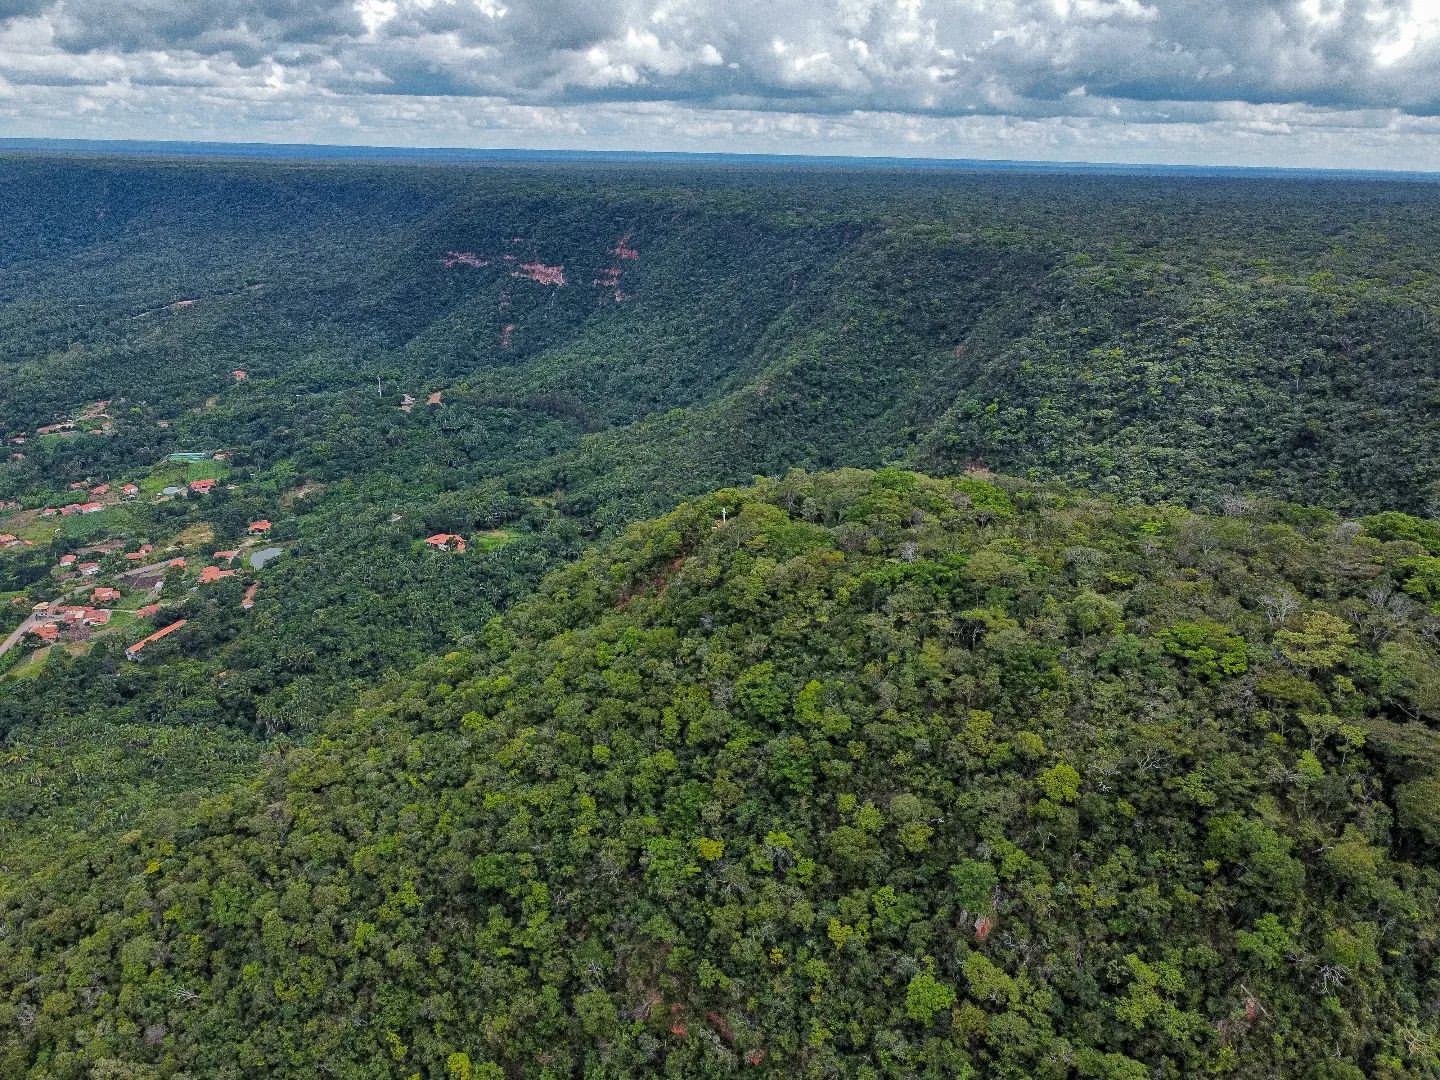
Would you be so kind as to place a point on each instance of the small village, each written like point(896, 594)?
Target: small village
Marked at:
point(117, 584)
point(112, 581)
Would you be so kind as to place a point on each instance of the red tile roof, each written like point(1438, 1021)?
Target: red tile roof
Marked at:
point(177, 562)
point(214, 573)
point(202, 486)
point(134, 650)
point(444, 540)
point(260, 526)
point(147, 610)
point(66, 560)
point(46, 631)
point(104, 594)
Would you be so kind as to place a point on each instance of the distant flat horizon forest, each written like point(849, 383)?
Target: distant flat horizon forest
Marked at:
point(299, 458)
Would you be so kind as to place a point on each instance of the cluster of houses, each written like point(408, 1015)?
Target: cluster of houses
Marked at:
point(71, 620)
point(126, 491)
point(96, 410)
point(93, 505)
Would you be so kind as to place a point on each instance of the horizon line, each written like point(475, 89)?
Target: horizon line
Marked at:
point(218, 148)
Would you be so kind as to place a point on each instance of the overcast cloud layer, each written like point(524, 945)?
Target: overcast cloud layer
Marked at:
point(1300, 82)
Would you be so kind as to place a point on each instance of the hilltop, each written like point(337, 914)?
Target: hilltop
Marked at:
point(863, 773)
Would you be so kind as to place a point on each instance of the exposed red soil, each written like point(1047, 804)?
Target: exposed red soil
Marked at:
point(463, 258)
point(541, 274)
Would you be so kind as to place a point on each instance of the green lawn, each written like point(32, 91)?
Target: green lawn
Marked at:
point(178, 474)
point(494, 538)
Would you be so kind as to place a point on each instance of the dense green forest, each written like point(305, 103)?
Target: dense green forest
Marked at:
point(850, 774)
point(512, 850)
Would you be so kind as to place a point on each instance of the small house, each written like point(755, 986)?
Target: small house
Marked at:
point(133, 652)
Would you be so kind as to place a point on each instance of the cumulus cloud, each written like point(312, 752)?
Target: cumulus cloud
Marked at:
point(907, 70)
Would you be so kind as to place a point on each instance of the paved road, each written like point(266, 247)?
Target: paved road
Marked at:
point(14, 639)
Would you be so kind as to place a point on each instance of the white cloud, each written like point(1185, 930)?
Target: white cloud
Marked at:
point(1024, 78)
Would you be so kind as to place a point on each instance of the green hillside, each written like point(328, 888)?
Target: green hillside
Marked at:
point(861, 774)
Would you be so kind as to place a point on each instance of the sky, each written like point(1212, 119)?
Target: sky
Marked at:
point(1306, 83)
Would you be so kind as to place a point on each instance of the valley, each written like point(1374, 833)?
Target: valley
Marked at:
point(618, 619)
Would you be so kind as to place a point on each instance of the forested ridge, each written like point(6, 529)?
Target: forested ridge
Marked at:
point(1109, 755)
point(858, 773)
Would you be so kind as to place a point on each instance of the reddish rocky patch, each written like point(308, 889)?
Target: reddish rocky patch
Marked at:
point(541, 274)
point(463, 258)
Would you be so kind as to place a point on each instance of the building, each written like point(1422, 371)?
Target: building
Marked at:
point(90, 508)
point(67, 560)
point(214, 573)
point(104, 595)
point(88, 569)
point(133, 652)
point(177, 562)
point(46, 632)
point(146, 611)
point(100, 489)
point(228, 556)
point(444, 541)
point(257, 527)
point(248, 600)
point(202, 487)
point(130, 490)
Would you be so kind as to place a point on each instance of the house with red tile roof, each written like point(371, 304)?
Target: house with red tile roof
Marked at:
point(91, 508)
point(100, 489)
point(95, 617)
point(214, 573)
point(180, 562)
point(78, 485)
point(47, 632)
point(130, 489)
point(104, 595)
point(6, 539)
point(228, 556)
point(238, 375)
point(134, 650)
point(261, 526)
point(67, 560)
point(49, 511)
point(443, 541)
point(248, 600)
point(146, 611)
point(137, 556)
point(202, 487)
point(88, 569)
